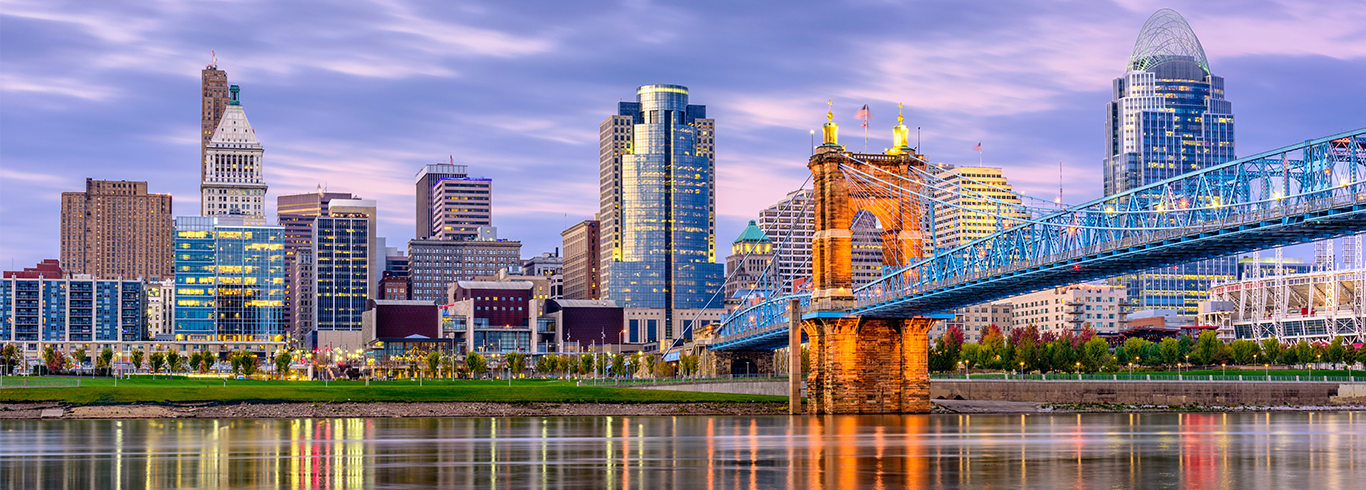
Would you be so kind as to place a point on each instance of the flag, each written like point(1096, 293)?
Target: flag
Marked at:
point(978, 147)
point(863, 115)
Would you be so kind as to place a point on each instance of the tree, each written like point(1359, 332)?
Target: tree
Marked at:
point(1244, 351)
point(619, 365)
point(282, 362)
point(516, 362)
point(993, 347)
point(476, 363)
point(1271, 351)
point(1335, 351)
point(105, 360)
point(939, 361)
point(206, 361)
point(1095, 354)
point(688, 364)
point(585, 363)
point(246, 362)
point(806, 359)
point(1207, 346)
point(545, 364)
point(1304, 352)
point(633, 364)
point(10, 357)
point(53, 359)
point(433, 363)
point(78, 356)
point(196, 359)
point(1171, 351)
point(1133, 348)
point(650, 361)
point(1024, 347)
point(172, 361)
point(158, 361)
point(136, 357)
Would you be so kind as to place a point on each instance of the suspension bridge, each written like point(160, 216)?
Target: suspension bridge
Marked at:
point(1300, 193)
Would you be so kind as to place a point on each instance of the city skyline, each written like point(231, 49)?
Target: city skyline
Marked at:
point(331, 112)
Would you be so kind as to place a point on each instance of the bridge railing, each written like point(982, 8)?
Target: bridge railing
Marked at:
point(759, 318)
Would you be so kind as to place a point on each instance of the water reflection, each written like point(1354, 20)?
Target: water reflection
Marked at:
point(1201, 451)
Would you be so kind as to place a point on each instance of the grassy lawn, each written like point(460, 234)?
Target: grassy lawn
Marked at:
point(102, 390)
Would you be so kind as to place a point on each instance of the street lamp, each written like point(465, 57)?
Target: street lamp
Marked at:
point(1131, 370)
point(1223, 369)
point(1078, 370)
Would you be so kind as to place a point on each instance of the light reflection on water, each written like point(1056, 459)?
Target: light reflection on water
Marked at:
point(1203, 451)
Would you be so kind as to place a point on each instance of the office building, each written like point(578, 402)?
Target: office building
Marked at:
point(546, 264)
point(214, 100)
point(48, 268)
point(974, 203)
point(160, 321)
point(975, 320)
point(434, 264)
point(749, 268)
point(301, 298)
point(234, 180)
point(581, 261)
point(497, 315)
point(657, 206)
point(69, 313)
point(790, 224)
point(1168, 117)
point(229, 281)
point(296, 213)
point(341, 279)
point(451, 205)
point(115, 229)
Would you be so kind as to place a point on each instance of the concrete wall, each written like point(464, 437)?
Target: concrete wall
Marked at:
point(1155, 392)
point(774, 387)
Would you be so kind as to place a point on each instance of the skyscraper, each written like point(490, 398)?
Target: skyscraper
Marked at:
point(791, 222)
point(341, 277)
point(961, 218)
point(657, 206)
point(296, 212)
point(451, 205)
point(115, 229)
point(1168, 117)
point(214, 100)
point(233, 183)
point(229, 280)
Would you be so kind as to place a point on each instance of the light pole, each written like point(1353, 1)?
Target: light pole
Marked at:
point(1223, 369)
point(1078, 370)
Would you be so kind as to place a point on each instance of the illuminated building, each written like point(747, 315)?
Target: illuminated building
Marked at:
point(160, 310)
point(961, 217)
point(116, 230)
point(748, 265)
point(213, 101)
point(229, 280)
point(233, 182)
point(451, 204)
point(434, 264)
point(296, 213)
point(789, 224)
point(657, 209)
point(341, 278)
point(1168, 117)
point(1079, 306)
point(1290, 302)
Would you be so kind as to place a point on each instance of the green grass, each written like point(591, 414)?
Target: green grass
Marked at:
point(102, 391)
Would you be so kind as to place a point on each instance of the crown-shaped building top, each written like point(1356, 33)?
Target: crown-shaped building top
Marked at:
point(234, 131)
point(1165, 36)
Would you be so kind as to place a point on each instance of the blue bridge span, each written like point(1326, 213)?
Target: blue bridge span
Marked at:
point(1300, 193)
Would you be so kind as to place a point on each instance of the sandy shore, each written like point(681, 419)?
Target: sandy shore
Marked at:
point(378, 410)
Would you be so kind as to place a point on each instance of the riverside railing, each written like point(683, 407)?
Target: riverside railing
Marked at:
point(660, 381)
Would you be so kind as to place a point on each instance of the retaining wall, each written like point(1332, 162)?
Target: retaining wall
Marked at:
point(1316, 393)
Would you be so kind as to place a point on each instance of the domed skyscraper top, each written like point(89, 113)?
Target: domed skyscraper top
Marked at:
point(1166, 36)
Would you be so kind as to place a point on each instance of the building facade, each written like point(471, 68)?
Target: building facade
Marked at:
point(451, 205)
point(498, 315)
point(790, 224)
point(70, 312)
point(749, 267)
point(115, 229)
point(1168, 117)
point(582, 258)
point(234, 179)
point(214, 100)
point(301, 298)
point(974, 203)
point(975, 320)
point(434, 264)
point(296, 213)
point(160, 320)
point(341, 277)
point(1072, 308)
point(229, 281)
point(658, 204)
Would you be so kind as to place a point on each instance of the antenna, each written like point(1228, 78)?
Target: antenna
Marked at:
point(1060, 183)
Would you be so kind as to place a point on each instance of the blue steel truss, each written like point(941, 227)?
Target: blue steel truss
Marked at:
point(1300, 193)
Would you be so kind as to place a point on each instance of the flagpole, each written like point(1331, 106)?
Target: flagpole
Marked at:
point(867, 118)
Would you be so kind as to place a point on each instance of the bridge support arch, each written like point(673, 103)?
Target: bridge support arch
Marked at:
point(864, 365)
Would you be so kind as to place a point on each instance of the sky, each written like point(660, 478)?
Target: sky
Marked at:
point(358, 96)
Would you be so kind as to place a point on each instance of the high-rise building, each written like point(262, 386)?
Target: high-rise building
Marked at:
point(229, 280)
point(115, 229)
point(214, 100)
point(301, 297)
point(1168, 117)
point(434, 264)
point(342, 270)
point(657, 207)
point(1075, 307)
point(581, 260)
point(975, 203)
point(160, 310)
point(234, 182)
point(451, 205)
point(296, 213)
point(749, 265)
point(790, 224)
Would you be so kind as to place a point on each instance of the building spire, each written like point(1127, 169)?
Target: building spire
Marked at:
point(830, 129)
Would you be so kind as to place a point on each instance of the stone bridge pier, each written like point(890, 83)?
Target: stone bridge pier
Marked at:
point(863, 365)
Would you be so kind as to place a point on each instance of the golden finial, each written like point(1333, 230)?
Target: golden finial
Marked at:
point(830, 114)
point(900, 118)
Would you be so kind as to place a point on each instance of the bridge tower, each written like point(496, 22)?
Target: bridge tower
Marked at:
point(863, 364)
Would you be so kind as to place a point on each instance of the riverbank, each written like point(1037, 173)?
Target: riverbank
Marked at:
point(266, 410)
point(1016, 407)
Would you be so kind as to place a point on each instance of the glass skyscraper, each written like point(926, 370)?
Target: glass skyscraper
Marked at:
point(341, 269)
point(229, 280)
point(1168, 117)
point(658, 204)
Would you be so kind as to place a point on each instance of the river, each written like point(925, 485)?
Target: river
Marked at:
point(1284, 450)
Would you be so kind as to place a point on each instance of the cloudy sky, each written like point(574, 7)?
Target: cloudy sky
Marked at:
point(358, 95)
